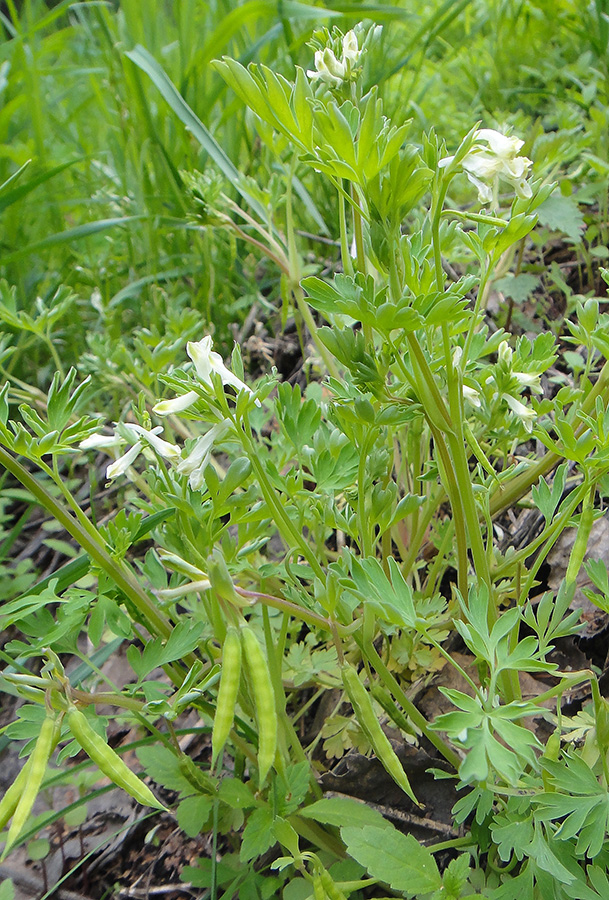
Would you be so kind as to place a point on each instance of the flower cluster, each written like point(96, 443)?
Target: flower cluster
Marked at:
point(333, 71)
point(486, 166)
point(143, 441)
point(149, 443)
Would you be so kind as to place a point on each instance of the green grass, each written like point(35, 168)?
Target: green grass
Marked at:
point(102, 206)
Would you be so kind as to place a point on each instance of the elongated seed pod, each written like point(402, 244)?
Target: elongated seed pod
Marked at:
point(39, 758)
point(11, 798)
point(580, 546)
point(108, 761)
point(200, 780)
point(227, 693)
point(330, 889)
point(318, 888)
point(264, 698)
point(365, 715)
point(396, 715)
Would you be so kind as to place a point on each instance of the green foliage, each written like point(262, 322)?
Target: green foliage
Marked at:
point(345, 532)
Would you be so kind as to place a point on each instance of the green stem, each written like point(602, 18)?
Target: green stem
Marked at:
point(359, 234)
point(281, 517)
point(435, 235)
point(480, 299)
point(553, 534)
point(452, 489)
point(430, 395)
point(475, 217)
point(287, 606)
point(418, 533)
point(550, 533)
point(344, 237)
point(450, 845)
point(365, 541)
point(305, 312)
point(417, 718)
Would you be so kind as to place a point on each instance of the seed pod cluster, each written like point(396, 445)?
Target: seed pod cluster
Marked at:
point(238, 644)
point(108, 761)
point(365, 715)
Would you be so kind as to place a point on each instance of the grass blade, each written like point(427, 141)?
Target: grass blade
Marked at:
point(148, 64)
point(66, 237)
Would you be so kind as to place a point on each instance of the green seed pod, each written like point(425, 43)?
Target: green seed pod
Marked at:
point(365, 715)
point(43, 748)
point(9, 801)
point(108, 761)
point(198, 779)
point(330, 889)
point(227, 693)
point(318, 888)
point(264, 698)
point(580, 546)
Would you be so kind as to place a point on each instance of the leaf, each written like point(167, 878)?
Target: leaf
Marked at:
point(7, 890)
point(338, 810)
point(193, 813)
point(9, 197)
point(258, 835)
point(518, 287)
point(562, 214)
point(235, 794)
point(293, 787)
point(397, 859)
point(547, 500)
point(162, 765)
point(182, 640)
point(540, 851)
point(202, 876)
point(512, 833)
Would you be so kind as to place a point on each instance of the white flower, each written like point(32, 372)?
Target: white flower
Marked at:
point(101, 442)
point(524, 413)
point(351, 52)
point(504, 353)
point(124, 462)
point(189, 588)
point(142, 440)
point(471, 395)
point(528, 380)
point(205, 361)
point(327, 68)
point(484, 167)
point(331, 70)
point(195, 463)
point(163, 448)
point(178, 404)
